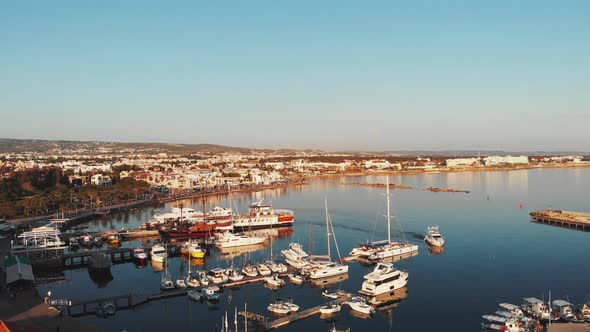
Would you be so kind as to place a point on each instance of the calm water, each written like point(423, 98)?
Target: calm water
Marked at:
point(493, 253)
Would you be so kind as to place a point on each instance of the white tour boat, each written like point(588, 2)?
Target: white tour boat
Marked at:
point(263, 216)
point(433, 237)
point(384, 279)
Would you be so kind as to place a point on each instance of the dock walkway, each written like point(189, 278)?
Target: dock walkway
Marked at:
point(562, 218)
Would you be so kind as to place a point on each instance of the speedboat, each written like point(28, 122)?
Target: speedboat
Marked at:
point(384, 278)
point(233, 274)
point(250, 270)
point(359, 304)
point(295, 278)
point(263, 270)
point(158, 253)
point(181, 283)
point(330, 308)
point(274, 280)
point(217, 276)
point(210, 293)
point(330, 295)
point(433, 237)
point(195, 295)
point(279, 308)
point(139, 254)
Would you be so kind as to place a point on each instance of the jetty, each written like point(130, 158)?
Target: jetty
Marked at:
point(262, 323)
point(562, 218)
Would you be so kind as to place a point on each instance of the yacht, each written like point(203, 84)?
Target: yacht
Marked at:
point(158, 253)
point(294, 252)
point(139, 254)
point(177, 214)
point(433, 237)
point(384, 279)
point(228, 239)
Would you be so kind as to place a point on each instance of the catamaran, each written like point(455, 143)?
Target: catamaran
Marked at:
point(322, 266)
point(379, 250)
point(384, 279)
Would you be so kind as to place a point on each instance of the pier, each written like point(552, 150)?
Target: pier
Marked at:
point(562, 218)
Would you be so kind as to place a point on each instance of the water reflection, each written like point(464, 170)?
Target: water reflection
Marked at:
point(324, 282)
point(101, 277)
point(435, 250)
point(231, 253)
point(157, 266)
point(388, 301)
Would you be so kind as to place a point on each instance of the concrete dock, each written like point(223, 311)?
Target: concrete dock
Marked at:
point(562, 218)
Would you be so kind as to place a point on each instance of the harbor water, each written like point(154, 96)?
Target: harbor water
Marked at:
point(493, 252)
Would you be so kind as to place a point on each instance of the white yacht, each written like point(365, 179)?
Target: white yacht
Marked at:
point(158, 253)
point(434, 238)
point(229, 239)
point(384, 279)
point(380, 250)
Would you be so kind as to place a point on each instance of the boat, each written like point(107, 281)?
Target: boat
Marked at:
point(181, 283)
point(583, 311)
point(295, 251)
point(292, 306)
point(263, 270)
point(202, 277)
point(380, 250)
point(536, 308)
point(74, 243)
point(263, 216)
point(195, 295)
point(359, 304)
point(274, 280)
point(210, 293)
point(114, 238)
point(250, 271)
point(197, 229)
point(87, 240)
point(139, 254)
point(177, 214)
point(330, 308)
point(229, 239)
point(195, 251)
point(158, 253)
point(278, 307)
point(330, 295)
point(384, 279)
point(295, 278)
point(433, 237)
point(325, 267)
point(98, 241)
point(513, 310)
point(192, 281)
point(166, 283)
point(217, 276)
point(564, 310)
point(233, 274)
point(507, 325)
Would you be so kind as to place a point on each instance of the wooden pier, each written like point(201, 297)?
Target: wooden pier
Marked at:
point(262, 323)
point(562, 218)
point(121, 302)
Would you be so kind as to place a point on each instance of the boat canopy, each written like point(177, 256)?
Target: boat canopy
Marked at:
point(532, 300)
point(509, 306)
point(561, 303)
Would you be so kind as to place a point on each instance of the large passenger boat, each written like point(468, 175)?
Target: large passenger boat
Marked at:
point(263, 216)
point(198, 229)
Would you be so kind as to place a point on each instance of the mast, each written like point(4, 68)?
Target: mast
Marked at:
point(327, 228)
point(388, 214)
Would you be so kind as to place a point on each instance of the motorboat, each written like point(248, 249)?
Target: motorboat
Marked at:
point(233, 274)
point(294, 252)
point(292, 306)
point(210, 293)
point(181, 283)
point(384, 279)
point(74, 243)
point(192, 282)
point(250, 270)
point(433, 237)
point(564, 309)
point(330, 295)
point(276, 267)
point(536, 308)
point(359, 304)
point(139, 254)
point(295, 278)
point(158, 253)
point(330, 308)
point(512, 309)
point(263, 270)
point(229, 239)
point(298, 263)
point(178, 214)
point(195, 251)
point(195, 295)
point(274, 280)
point(278, 307)
point(217, 276)
point(203, 280)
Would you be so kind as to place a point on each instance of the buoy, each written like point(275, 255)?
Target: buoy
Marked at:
point(521, 204)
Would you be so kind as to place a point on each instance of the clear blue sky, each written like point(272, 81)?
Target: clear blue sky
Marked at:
point(511, 75)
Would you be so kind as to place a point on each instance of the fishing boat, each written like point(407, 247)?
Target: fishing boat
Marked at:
point(330, 295)
point(433, 237)
point(564, 310)
point(263, 216)
point(158, 253)
point(513, 310)
point(210, 293)
point(359, 304)
point(263, 270)
point(536, 308)
point(380, 250)
point(506, 324)
point(295, 278)
point(325, 267)
point(583, 310)
point(384, 279)
point(139, 254)
point(195, 295)
point(330, 308)
point(217, 276)
point(229, 239)
point(278, 307)
point(274, 280)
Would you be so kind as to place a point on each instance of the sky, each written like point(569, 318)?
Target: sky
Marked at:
point(332, 75)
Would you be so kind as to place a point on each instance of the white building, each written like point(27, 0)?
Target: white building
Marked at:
point(462, 162)
point(101, 180)
point(498, 160)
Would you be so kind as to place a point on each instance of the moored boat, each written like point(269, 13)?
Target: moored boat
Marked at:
point(217, 276)
point(263, 270)
point(139, 254)
point(384, 278)
point(295, 278)
point(359, 304)
point(330, 308)
point(263, 216)
point(158, 253)
point(229, 239)
point(330, 295)
point(274, 280)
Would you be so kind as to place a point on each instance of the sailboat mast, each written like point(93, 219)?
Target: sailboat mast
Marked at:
point(327, 228)
point(388, 214)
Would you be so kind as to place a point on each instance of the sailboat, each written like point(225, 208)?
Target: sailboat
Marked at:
point(379, 250)
point(322, 266)
point(166, 283)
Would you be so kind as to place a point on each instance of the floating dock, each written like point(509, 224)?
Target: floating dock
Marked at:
point(562, 218)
